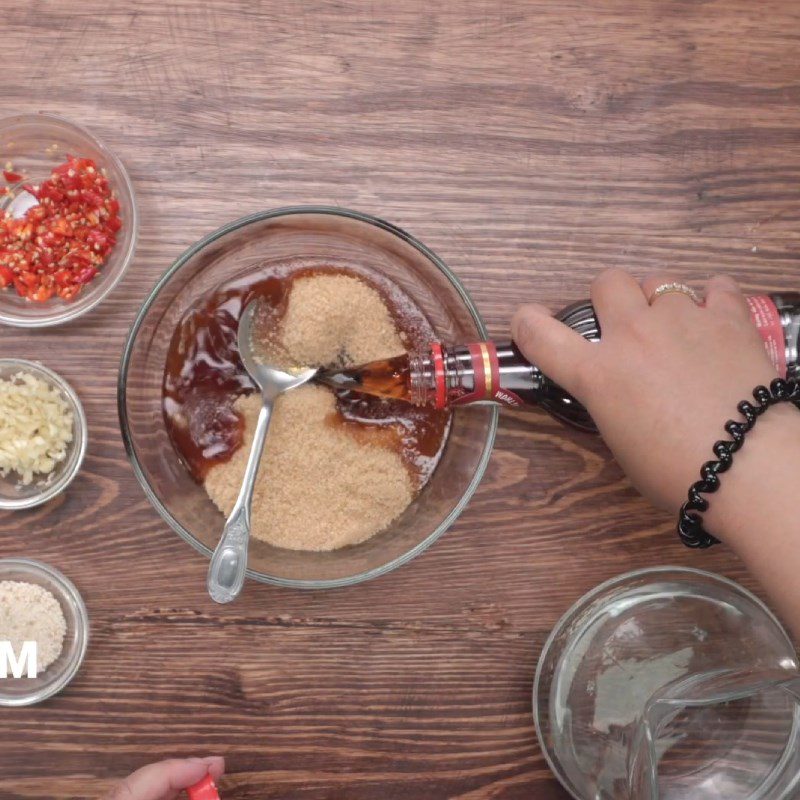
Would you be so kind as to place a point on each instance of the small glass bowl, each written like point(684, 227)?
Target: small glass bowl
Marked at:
point(34, 144)
point(13, 495)
point(311, 235)
point(27, 691)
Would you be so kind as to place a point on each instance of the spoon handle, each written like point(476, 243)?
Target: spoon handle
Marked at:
point(229, 562)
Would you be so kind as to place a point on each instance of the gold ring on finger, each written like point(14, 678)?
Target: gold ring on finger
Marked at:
point(674, 288)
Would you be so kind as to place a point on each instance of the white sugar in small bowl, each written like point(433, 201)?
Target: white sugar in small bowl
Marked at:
point(14, 495)
point(27, 691)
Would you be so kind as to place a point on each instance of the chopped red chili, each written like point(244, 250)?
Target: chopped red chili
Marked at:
point(62, 242)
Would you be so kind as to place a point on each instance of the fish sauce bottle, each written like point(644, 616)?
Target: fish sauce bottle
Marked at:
point(445, 376)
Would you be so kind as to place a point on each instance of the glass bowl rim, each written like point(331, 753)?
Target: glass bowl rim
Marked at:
point(58, 578)
point(585, 599)
point(200, 245)
point(81, 441)
point(90, 300)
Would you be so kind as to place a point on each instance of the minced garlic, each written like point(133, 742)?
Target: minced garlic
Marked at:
point(35, 427)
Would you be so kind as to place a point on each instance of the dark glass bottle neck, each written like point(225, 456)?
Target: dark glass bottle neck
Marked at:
point(788, 306)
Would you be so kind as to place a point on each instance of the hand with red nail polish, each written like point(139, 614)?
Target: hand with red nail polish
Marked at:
point(166, 779)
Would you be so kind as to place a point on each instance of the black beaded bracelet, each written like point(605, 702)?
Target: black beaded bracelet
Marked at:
point(690, 523)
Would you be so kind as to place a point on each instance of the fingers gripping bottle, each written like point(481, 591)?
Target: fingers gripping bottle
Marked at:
point(489, 372)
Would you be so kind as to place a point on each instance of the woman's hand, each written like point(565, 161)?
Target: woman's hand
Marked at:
point(165, 780)
point(663, 379)
point(660, 385)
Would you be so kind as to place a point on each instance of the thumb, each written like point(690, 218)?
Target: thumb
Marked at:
point(163, 781)
point(555, 348)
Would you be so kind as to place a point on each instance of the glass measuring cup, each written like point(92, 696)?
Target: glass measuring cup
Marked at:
point(667, 683)
point(674, 754)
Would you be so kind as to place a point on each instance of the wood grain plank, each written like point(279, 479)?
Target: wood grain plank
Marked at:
point(530, 144)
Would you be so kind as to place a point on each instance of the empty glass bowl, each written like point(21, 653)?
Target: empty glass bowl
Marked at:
point(15, 496)
point(314, 236)
point(670, 684)
point(26, 691)
point(34, 144)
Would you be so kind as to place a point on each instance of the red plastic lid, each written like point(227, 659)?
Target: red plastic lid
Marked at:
point(206, 789)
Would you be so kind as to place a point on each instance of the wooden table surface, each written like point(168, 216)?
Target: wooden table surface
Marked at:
point(529, 143)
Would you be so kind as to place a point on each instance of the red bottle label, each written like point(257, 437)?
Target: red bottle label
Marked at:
point(768, 322)
point(439, 375)
point(486, 379)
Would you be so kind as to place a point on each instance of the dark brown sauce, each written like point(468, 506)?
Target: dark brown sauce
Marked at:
point(204, 376)
point(389, 377)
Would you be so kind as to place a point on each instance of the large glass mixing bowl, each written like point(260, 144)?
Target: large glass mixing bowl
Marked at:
point(316, 236)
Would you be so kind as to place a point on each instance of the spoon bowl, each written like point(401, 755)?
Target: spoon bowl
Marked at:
point(268, 378)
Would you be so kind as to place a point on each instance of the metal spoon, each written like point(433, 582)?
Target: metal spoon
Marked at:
point(229, 562)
